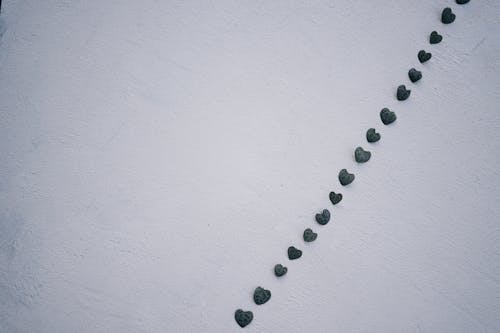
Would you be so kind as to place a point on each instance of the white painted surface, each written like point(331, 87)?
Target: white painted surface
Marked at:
point(158, 157)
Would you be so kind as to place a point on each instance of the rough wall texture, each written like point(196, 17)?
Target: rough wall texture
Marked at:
point(158, 157)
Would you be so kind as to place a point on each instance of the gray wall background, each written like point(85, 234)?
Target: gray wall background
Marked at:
point(158, 157)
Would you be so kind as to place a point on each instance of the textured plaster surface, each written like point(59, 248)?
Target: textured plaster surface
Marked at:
point(159, 157)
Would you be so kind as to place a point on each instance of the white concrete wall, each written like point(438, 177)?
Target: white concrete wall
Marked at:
point(158, 157)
